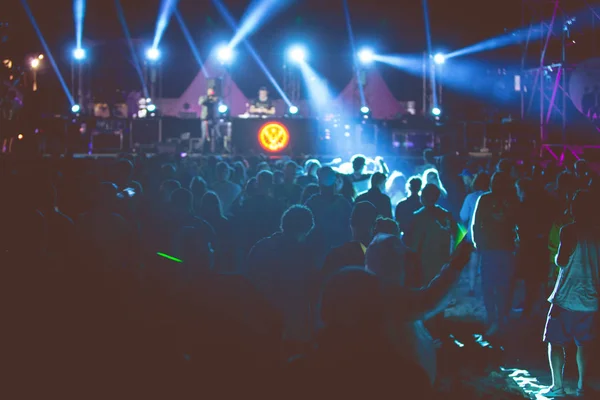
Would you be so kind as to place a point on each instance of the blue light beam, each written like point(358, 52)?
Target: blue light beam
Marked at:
point(231, 22)
point(166, 9)
point(47, 50)
point(79, 15)
point(190, 40)
point(256, 14)
point(361, 91)
point(498, 42)
point(134, 55)
point(430, 50)
point(318, 90)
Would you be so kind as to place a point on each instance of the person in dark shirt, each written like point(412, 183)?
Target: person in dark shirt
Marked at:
point(352, 253)
point(262, 106)
point(208, 115)
point(375, 195)
point(407, 207)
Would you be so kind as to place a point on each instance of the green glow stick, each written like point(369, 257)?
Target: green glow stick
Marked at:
point(168, 257)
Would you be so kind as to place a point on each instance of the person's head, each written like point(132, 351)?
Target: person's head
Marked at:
point(167, 171)
point(430, 195)
point(581, 169)
point(467, 178)
point(504, 165)
point(362, 221)
point(198, 186)
point(251, 188)
point(239, 173)
point(502, 184)
point(210, 91)
point(264, 182)
point(387, 226)
point(327, 178)
point(223, 172)
point(311, 167)
point(432, 177)
point(481, 182)
point(210, 206)
point(414, 186)
point(297, 222)
point(289, 172)
point(396, 184)
point(121, 172)
point(428, 156)
point(386, 257)
point(378, 181)
point(167, 188)
point(582, 207)
point(182, 201)
point(263, 93)
point(352, 300)
point(524, 188)
point(358, 163)
point(309, 191)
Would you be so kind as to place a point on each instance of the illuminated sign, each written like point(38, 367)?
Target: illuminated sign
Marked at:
point(273, 137)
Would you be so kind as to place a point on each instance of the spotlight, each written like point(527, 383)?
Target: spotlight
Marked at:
point(41, 57)
point(223, 109)
point(293, 110)
point(439, 58)
point(79, 54)
point(436, 111)
point(365, 56)
point(297, 54)
point(364, 110)
point(75, 108)
point(20, 136)
point(224, 54)
point(152, 54)
point(151, 108)
point(35, 63)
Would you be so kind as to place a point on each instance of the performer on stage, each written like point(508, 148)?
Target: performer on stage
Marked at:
point(262, 106)
point(209, 104)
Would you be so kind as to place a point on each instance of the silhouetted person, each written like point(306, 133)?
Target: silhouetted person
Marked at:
point(227, 191)
point(289, 191)
point(282, 268)
point(210, 210)
point(494, 234)
point(387, 226)
point(406, 208)
point(352, 253)
point(376, 195)
point(575, 300)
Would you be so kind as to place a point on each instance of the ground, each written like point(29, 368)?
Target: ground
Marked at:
point(470, 367)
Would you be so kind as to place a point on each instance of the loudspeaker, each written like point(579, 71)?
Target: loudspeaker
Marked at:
point(217, 85)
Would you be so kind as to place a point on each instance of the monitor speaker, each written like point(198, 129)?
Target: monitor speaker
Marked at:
point(217, 85)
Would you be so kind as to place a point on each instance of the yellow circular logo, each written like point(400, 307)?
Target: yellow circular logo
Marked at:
point(273, 137)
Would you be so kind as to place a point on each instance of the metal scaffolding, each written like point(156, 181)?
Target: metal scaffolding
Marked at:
point(546, 64)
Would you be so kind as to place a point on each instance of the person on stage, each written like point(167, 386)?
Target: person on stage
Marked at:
point(208, 116)
point(262, 106)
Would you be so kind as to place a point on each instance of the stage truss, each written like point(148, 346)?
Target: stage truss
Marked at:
point(545, 62)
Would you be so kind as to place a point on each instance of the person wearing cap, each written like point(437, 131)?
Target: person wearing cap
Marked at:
point(467, 178)
point(331, 211)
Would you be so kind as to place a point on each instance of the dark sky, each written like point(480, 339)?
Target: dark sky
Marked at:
point(390, 26)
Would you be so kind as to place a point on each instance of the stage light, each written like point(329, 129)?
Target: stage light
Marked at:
point(225, 54)
point(20, 136)
point(365, 56)
point(436, 111)
point(75, 108)
point(297, 54)
point(293, 110)
point(364, 110)
point(41, 57)
point(439, 58)
point(35, 63)
point(79, 54)
point(152, 54)
point(223, 109)
point(151, 107)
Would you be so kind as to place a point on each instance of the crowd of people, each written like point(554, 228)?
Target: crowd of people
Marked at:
point(169, 277)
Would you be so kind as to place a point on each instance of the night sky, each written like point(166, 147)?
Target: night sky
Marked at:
point(387, 26)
